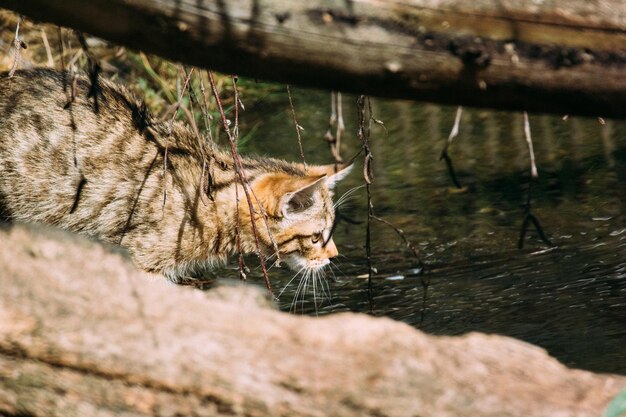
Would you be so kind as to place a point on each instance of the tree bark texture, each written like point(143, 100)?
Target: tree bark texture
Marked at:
point(84, 334)
point(557, 56)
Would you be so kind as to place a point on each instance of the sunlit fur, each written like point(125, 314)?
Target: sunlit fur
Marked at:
point(312, 276)
point(101, 165)
point(301, 234)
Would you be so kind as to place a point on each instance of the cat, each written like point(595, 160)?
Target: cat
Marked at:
point(90, 158)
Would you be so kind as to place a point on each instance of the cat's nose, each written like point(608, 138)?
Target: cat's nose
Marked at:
point(331, 249)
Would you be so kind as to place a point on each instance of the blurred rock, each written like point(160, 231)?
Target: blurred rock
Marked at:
point(82, 333)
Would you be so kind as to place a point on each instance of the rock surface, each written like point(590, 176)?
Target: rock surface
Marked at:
point(82, 333)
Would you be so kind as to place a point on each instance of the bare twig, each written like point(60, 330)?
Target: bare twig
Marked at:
point(340, 124)
point(402, 235)
point(177, 105)
point(333, 117)
point(18, 44)
point(190, 113)
point(455, 128)
point(298, 127)
point(238, 105)
point(242, 265)
point(239, 171)
point(179, 101)
point(71, 95)
point(425, 279)
point(444, 152)
point(364, 136)
point(94, 70)
point(529, 217)
point(204, 106)
point(235, 130)
point(529, 141)
point(72, 69)
point(336, 117)
point(206, 179)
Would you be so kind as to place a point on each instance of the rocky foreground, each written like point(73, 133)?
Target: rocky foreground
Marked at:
point(82, 333)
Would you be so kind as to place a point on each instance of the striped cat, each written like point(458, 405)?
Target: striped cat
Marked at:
point(93, 163)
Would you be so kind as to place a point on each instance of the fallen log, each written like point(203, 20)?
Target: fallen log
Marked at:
point(82, 333)
point(564, 57)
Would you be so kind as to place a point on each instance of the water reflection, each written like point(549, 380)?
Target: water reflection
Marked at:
point(570, 299)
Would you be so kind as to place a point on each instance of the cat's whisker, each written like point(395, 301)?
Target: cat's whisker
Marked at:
point(313, 278)
point(326, 290)
point(290, 281)
point(347, 194)
point(338, 269)
point(324, 286)
point(315, 290)
point(267, 262)
point(267, 259)
point(330, 268)
point(321, 278)
point(333, 274)
point(272, 265)
point(343, 202)
point(305, 289)
point(324, 283)
point(292, 305)
point(294, 302)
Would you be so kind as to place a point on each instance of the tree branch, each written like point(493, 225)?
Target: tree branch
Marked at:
point(565, 57)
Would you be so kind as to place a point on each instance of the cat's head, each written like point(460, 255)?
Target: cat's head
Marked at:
point(300, 215)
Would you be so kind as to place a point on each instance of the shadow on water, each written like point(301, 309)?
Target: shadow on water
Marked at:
point(570, 299)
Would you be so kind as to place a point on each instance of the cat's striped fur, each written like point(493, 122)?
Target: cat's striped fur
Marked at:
point(93, 164)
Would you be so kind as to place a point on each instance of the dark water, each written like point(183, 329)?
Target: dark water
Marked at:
point(569, 299)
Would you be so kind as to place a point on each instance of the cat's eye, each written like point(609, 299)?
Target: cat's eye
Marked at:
point(316, 237)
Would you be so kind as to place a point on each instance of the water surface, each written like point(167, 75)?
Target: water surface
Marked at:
point(569, 298)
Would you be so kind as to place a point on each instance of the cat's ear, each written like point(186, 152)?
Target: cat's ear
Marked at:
point(337, 174)
point(333, 172)
point(301, 198)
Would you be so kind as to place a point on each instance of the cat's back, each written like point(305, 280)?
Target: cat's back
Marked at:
point(28, 100)
point(47, 109)
point(63, 139)
point(29, 86)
